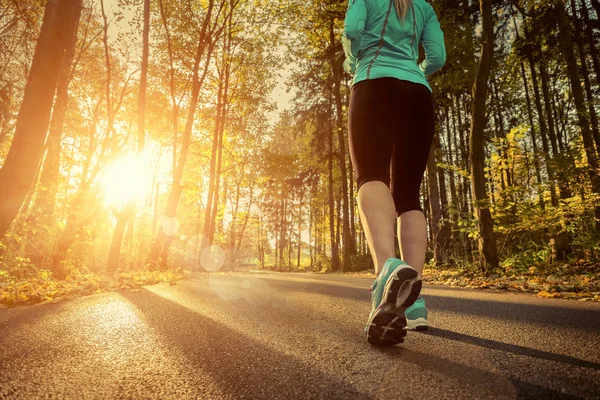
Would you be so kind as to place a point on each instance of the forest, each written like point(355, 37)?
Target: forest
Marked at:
point(149, 138)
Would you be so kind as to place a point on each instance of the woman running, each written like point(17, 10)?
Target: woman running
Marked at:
point(391, 118)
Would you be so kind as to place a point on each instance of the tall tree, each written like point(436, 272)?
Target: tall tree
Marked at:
point(27, 149)
point(160, 247)
point(144, 78)
point(336, 68)
point(50, 175)
point(485, 224)
point(574, 79)
point(125, 217)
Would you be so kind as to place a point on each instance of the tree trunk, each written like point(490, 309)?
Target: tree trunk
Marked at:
point(311, 212)
point(451, 139)
point(590, 38)
point(124, 217)
point(160, 246)
point(49, 181)
point(464, 158)
point(437, 145)
point(487, 239)
point(499, 128)
point(224, 75)
point(548, 108)
point(290, 233)
point(588, 142)
point(114, 254)
point(282, 230)
point(596, 5)
point(334, 253)
point(143, 79)
point(335, 67)
point(338, 219)
point(232, 227)
point(352, 201)
point(109, 145)
point(213, 160)
point(247, 216)
point(435, 207)
point(213, 216)
point(586, 77)
point(27, 149)
point(536, 161)
point(543, 126)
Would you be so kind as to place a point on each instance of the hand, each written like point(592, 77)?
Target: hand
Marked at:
point(350, 65)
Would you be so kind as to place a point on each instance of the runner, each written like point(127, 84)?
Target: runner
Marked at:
point(391, 117)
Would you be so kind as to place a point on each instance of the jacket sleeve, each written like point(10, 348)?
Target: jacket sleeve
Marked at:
point(354, 27)
point(433, 43)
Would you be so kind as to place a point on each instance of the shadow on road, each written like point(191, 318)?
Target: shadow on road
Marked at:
point(238, 365)
point(511, 348)
point(30, 315)
point(486, 381)
point(553, 315)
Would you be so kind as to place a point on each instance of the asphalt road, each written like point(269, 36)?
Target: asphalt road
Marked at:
point(296, 336)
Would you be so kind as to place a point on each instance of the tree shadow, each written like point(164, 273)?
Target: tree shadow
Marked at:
point(491, 383)
point(16, 316)
point(511, 348)
point(552, 315)
point(440, 286)
point(240, 366)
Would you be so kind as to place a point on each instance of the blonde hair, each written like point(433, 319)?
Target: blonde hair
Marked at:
point(402, 7)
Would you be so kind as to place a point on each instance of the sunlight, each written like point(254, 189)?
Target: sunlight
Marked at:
point(127, 179)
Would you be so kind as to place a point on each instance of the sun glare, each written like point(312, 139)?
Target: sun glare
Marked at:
point(127, 179)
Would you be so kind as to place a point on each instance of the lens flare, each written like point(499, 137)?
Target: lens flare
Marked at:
point(170, 225)
point(212, 258)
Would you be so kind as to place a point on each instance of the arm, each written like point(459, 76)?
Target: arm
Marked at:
point(433, 43)
point(354, 27)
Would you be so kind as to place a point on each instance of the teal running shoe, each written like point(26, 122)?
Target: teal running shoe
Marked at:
point(416, 316)
point(395, 289)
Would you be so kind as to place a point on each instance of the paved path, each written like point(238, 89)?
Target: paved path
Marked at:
point(296, 336)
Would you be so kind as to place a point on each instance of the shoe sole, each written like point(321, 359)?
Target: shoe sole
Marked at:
point(387, 326)
point(419, 324)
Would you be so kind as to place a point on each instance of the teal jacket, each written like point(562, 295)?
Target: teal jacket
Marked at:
point(377, 44)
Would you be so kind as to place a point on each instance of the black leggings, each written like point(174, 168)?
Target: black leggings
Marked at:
point(391, 120)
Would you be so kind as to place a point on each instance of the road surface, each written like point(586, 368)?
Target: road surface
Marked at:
point(296, 336)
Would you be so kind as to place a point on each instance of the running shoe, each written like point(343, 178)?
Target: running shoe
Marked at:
point(416, 316)
point(395, 289)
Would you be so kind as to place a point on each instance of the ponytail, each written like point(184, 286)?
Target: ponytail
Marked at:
point(402, 7)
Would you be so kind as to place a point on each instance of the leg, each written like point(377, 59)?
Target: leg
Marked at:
point(396, 287)
point(377, 214)
point(371, 143)
point(411, 152)
point(412, 238)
